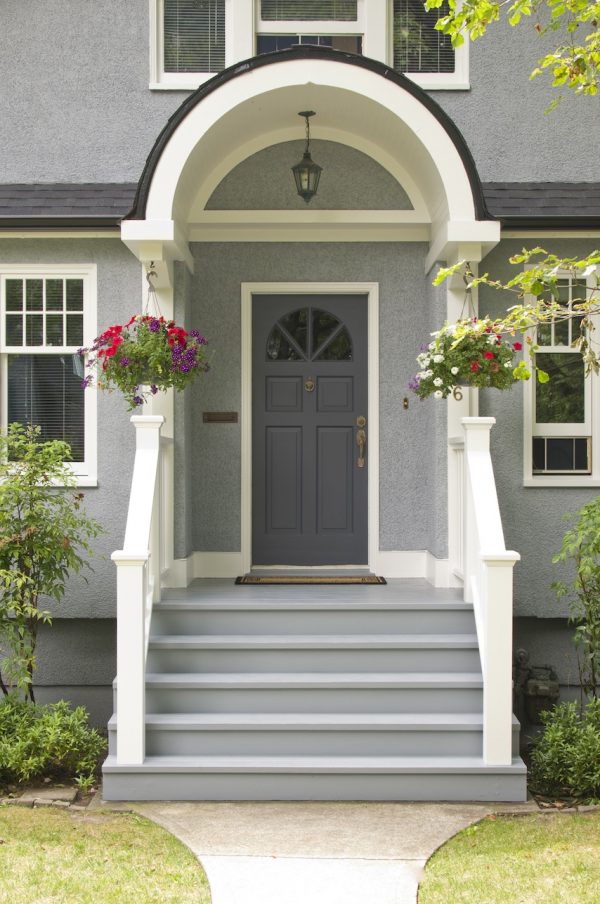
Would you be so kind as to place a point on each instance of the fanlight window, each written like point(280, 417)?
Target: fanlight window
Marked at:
point(309, 334)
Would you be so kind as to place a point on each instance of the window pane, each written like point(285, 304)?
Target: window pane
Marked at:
point(46, 390)
point(296, 324)
point(14, 294)
point(194, 35)
point(54, 329)
point(34, 293)
point(561, 332)
point(418, 47)
point(75, 330)
point(560, 454)
point(279, 348)
point(539, 453)
point(339, 349)
point(582, 462)
point(14, 329)
point(307, 10)
point(323, 325)
point(74, 295)
point(562, 399)
point(347, 43)
point(34, 326)
point(54, 294)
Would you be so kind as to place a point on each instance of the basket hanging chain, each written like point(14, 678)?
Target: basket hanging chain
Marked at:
point(152, 306)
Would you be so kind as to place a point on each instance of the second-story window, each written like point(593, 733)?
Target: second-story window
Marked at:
point(418, 46)
point(194, 35)
point(284, 23)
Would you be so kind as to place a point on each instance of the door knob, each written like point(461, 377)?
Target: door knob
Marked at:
point(309, 384)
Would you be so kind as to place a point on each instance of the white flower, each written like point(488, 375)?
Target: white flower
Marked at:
point(492, 340)
point(438, 381)
point(438, 395)
point(454, 371)
point(437, 359)
point(432, 344)
point(427, 373)
point(508, 363)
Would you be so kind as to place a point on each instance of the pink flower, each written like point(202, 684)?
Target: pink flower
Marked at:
point(489, 356)
point(517, 346)
point(475, 366)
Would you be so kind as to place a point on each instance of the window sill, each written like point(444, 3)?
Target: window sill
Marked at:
point(435, 82)
point(562, 480)
point(189, 83)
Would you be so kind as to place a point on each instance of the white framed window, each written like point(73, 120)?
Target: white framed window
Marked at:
point(47, 313)
point(561, 423)
point(191, 40)
point(422, 53)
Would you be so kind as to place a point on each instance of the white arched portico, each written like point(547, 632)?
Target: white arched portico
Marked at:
point(359, 103)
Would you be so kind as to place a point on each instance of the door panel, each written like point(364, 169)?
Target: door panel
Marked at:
point(309, 386)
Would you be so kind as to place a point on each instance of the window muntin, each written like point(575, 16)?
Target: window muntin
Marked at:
point(46, 314)
point(417, 46)
point(270, 43)
point(193, 36)
point(561, 409)
point(309, 334)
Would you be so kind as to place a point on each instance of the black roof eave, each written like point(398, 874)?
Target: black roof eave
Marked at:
point(64, 222)
point(552, 222)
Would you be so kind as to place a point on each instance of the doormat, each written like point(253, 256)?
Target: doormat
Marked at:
point(310, 579)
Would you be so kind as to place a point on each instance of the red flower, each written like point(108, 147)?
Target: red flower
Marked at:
point(489, 356)
point(517, 346)
point(474, 366)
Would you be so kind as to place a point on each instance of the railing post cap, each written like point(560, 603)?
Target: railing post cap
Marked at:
point(481, 423)
point(146, 420)
point(130, 558)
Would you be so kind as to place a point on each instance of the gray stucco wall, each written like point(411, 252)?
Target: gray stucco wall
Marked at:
point(532, 516)
point(76, 104)
point(119, 295)
point(412, 511)
point(350, 181)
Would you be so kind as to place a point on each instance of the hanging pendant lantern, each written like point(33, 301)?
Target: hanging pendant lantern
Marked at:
point(307, 173)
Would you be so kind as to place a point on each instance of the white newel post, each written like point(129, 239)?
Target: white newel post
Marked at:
point(133, 599)
point(489, 585)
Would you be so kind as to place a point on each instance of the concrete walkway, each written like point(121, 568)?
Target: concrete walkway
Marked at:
point(316, 853)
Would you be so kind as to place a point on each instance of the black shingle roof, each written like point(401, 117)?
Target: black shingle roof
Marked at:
point(515, 204)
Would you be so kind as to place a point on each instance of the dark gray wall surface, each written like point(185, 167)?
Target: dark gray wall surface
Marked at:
point(412, 443)
point(119, 296)
point(532, 516)
point(76, 105)
point(350, 181)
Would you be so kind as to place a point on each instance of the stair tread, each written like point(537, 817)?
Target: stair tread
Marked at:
point(311, 641)
point(314, 679)
point(321, 605)
point(333, 721)
point(310, 763)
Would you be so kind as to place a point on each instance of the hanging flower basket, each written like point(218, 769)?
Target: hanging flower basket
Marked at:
point(468, 353)
point(144, 355)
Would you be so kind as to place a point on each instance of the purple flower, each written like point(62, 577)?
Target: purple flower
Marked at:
point(86, 382)
point(154, 325)
point(184, 368)
point(195, 334)
point(138, 400)
point(124, 361)
point(153, 389)
point(413, 383)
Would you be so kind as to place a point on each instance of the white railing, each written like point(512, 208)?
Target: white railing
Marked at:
point(488, 580)
point(146, 555)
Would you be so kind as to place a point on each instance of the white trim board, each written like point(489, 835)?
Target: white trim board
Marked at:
point(371, 290)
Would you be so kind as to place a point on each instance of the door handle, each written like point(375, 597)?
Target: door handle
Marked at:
point(361, 441)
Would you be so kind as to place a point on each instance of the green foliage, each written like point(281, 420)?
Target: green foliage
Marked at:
point(566, 759)
point(44, 537)
point(574, 63)
point(51, 741)
point(581, 547)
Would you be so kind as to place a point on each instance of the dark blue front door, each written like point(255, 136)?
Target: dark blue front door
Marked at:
point(309, 430)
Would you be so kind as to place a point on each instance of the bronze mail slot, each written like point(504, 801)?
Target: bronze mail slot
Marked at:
point(220, 417)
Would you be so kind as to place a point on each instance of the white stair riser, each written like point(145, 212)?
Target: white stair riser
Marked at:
point(314, 660)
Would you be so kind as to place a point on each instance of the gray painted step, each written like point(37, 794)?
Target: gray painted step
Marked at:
point(314, 778)
point(325, 692)
point(319, 653)
point(364, 734)
point(309, 616)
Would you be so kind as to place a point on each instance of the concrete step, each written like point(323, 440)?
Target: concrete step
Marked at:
point(318, 653)
point(364, 734)
point(311, 616)
point(314, 778)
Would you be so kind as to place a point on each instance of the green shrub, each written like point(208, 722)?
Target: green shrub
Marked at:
point(566, 758)
point(52, 741)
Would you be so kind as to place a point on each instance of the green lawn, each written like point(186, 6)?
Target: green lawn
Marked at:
point(49, 855)
point(538, 859)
